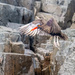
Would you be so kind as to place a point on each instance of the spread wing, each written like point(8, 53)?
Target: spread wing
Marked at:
point(30, 29)
point(45, 28)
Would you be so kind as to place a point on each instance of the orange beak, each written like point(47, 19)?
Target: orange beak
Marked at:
point(34, 28)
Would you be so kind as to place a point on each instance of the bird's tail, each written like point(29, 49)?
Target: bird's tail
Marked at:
point(63, 36)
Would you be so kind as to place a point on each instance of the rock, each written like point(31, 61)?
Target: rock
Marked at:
point(64, 56)
point(41, 38)
point(2, 45)
point(68, 65)
point(73, 26)
point(40, 57)
point(49, 1)
point(73, 22)
point(63, 9)
point(17, 47)
point(47, 16)
point(10, 13)
point(29, 52)
point(7, 35)
point(37, 67)
point(59, 57)
point(73, 18)
point(24, 3)
point(52, 9)
point(70, 33)
point(14, 25)
point(42, 51)
point(17, 64)
point(38, 5)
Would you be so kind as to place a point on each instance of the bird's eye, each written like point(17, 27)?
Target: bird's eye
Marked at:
point(38, 25)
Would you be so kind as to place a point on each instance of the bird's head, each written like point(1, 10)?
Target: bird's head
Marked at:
point(36, 27)
point(39, 22)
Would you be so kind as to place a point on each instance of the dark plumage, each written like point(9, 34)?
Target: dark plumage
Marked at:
point(52, 28)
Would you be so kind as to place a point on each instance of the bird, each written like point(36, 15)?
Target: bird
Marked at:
point(51, 27)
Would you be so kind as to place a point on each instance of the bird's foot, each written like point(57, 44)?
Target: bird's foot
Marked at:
point(58, 44)
point(55, 44)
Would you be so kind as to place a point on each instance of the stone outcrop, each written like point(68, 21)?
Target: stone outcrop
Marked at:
point(73, 22)
point(23, 3)
point(47, 16)
point(10, 41)
point(38, 5)
point(13, 58)
point(15, 55)
point(61, 10)
point(10, 13)
point(57, 58)
point(16, 64)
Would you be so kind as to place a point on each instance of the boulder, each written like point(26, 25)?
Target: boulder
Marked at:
point(59, 57)
point(63, 9)
point(10, 13)
point(38, 5)
point(73, 18)
point(8, 35)
point(68, 66)
point(52, 9)
point(49, 1)
point(47, 16)
point(23, 3)
point(16, 64)
point(73, 26)
point(14, 47)
point(17, 47)
point(14, 25)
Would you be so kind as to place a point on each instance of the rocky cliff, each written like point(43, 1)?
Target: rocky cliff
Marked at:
point(26, 55)
point(61, 10)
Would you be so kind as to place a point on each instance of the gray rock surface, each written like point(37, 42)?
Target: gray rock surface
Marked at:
point(61, 10)
point(38, 5)
point(47, 16)
point(73, 18)
point(64, 55)
point(10, 13)
point(23, 3)
point(7, 35)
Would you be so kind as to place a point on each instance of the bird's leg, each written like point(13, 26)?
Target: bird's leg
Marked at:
point(58, 42)
point(55, 44)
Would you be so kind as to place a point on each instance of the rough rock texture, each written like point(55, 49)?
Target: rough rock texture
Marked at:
point(73, 18)
point(61, 60)
point(73, 22)
point(16, 64)
point(14, 47)
point(24, 3)
point(10, 41)
point(73, 26)
point(61, 10)
point(68, 67)
point(14, 25)
point(51, 8)
point(8, 33)
point(10, 13)
point(47, 16)
point(38, 5)
point(67, 53)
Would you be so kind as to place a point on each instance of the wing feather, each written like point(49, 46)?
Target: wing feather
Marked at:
point(26, 29)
